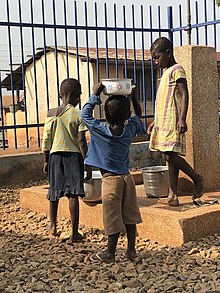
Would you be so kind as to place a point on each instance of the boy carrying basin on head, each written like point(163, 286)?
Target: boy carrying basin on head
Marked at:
point(109, 151)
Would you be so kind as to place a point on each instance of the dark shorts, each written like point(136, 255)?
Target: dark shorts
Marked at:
point(65, 175)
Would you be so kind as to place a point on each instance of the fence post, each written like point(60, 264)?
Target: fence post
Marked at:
point(189, 29)
point(170, 22)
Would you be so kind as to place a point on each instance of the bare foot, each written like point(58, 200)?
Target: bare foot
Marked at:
point(199, 188)
point(76, 238)
point(130, 254)
point(169, 201)
point(102, 257)
point(52, 230)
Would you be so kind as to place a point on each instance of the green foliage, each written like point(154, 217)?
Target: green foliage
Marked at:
point(217, 2)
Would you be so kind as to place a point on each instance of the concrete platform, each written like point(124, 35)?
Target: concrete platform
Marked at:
point(166, 225)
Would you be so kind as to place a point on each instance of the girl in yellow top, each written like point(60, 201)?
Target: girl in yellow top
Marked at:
point(169, 126)
point(64, 145)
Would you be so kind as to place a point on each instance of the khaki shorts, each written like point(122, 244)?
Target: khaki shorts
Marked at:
point(120, 206)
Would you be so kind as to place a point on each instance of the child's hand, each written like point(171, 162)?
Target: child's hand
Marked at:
point(88, 172)
point(150, 128)
point(98, 89)
point(181, 126)
point(45, 168)
point(133, 91)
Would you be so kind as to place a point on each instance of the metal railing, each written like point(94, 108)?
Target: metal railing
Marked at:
point(114, 37)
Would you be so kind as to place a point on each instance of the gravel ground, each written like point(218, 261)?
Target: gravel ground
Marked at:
point(33, 261)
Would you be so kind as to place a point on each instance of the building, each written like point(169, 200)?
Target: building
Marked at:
point(38, 80)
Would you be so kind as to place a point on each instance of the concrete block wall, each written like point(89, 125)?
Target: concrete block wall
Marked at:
point(21, 168)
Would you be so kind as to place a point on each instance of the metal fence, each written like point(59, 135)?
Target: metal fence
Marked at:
point(114, 37)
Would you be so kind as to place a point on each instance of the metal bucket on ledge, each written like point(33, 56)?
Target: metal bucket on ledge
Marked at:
point(92, 188)
point(156, 181)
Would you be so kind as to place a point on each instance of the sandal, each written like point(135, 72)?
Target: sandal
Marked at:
point(125, 256)
point(78, 239)
point(199, 189)
point(96, 258)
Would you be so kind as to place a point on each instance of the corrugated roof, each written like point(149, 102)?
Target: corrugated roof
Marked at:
point(111, 53)
point(16, 75)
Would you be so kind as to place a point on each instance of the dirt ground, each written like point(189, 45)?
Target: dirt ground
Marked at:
point(33, 261)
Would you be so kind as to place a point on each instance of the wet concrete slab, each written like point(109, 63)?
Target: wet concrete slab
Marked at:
point(165, 224)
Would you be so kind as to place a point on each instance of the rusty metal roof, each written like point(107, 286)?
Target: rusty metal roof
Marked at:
point(110, 53)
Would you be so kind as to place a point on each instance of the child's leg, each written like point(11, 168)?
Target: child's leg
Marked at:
point(179, 163)
point(53, 217)
point(112, 192)
point(74, 217)
point(109, 255)
point(112, 244)
point(131, 215)
point(131, 236)
point(173, 180)
point(172, 198)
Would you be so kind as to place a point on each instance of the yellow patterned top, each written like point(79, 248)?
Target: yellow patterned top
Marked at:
point(61, 132)
point(164, 136)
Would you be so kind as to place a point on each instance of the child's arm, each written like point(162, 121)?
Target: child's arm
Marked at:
point(46, 143)
point(183, 89)
point(150, 128)
point(84, 148)
point(136, 105)
point(46, 159)
point(87, 110)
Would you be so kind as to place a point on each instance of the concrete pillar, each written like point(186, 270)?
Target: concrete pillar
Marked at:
point(202, 138)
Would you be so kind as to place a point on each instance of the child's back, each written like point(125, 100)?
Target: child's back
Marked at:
point(64, 123)
point(64, 145)
point(109, 143)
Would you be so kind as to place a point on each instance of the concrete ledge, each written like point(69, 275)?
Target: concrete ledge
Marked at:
point(166, 225)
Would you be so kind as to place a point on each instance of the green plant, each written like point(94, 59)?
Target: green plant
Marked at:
point(217, 2)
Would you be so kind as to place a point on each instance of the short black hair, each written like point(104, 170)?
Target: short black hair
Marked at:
point(161, 45)
point(117, 108)
point(70, 86)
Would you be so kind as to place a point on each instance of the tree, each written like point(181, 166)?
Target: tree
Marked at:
point(217, 2)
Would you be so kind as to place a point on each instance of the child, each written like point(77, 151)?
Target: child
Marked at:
point(109, 151)
point(169, 126)
point(64, 145)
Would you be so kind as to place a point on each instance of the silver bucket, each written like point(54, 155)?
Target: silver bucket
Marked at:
point(156, 181)
point(92, 188)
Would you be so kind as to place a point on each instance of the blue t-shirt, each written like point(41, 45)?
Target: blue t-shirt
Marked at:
point(107, 151)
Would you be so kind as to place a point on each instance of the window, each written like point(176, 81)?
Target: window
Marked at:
point(143, 80)
point(144, 88)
